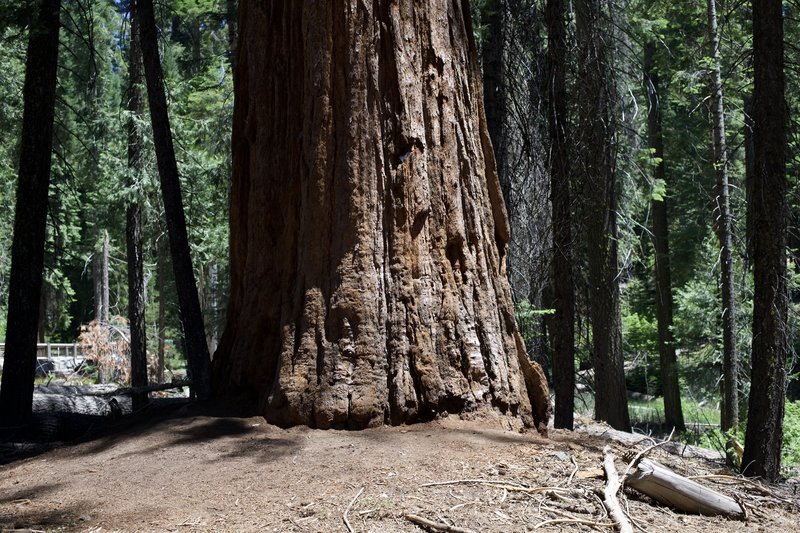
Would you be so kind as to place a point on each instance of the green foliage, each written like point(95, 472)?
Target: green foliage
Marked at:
point(790, 457)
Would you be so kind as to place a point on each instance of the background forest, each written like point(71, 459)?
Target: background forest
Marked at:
point(659, 55)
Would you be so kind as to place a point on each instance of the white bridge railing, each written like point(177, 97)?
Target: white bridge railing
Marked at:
point(53, 357)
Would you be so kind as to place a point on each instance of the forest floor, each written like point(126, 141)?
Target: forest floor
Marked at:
point(196, 468)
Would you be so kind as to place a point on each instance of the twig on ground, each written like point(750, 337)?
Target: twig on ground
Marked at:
point(500, 484)
point(572, 475)
point(642, 453)
point(595, 523)
point(613, 486)
point(344, 516)
point(424, 522)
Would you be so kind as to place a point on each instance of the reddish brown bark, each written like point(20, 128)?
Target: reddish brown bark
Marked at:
point(368, 231)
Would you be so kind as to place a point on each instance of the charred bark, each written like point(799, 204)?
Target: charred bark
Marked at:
point(673, 414)
point(368, 231)
point(597, 169)
point(30, 215)
point(763, 439)
point(188, 299)
point(563, 324)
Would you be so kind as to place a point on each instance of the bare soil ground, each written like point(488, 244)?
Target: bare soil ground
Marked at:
point(199, 469)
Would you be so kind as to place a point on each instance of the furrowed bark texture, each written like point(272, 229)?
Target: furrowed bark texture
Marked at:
point(673, 414)
point(563, 325)
point(763, 438)
point(368, 231)
point(30, 215)
point(597, 168)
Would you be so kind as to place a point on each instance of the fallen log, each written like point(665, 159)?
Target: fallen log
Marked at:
point(127, 391)
point(664, 485)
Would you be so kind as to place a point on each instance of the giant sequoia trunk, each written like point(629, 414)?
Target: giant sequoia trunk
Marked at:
point(368, 231)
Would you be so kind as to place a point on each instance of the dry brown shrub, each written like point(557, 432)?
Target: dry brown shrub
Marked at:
point(108, 347)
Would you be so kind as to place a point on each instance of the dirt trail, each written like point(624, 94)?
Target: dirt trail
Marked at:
point(192, 471)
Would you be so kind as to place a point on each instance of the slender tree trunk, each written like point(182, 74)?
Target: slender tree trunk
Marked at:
point(563, 323)
point(723, 225)
point(495, 93)
point(367, 222)
point(749, 172)
point(97, 278)
point(673, 414)
point(162, 309)
point(30, 216)
point(191, 316)
point(597, 168)
point(211, 305)
point(134, 230)
point(231, 15)
point(105, 284)
point(762, 453)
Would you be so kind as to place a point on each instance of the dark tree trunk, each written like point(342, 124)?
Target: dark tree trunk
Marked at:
point(368, 232)
point(762, 453)
point(563, 324)
point(495, 93)
point(673, 414)
point(724, 226)
point(188, 300)
point(30, 216)
point(597, 169)
point(134, 231)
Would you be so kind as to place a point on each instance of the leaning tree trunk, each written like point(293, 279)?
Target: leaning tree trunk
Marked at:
point(368, 232)
point(134, 230)
point(724, 227)
point(763, 439)
point(597, 168)
point(30, 215)
point(563, 323)
point(673, 414)
point(188, 299)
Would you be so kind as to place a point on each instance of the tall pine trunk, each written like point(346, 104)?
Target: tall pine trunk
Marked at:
point(134, 224)
point(597, 168)
point(562, 331)
point(673, 414)
point(724, 226)
point(368, 231)
point(30, 215)
point(763, 439)
point(188, 299)
point(495, 91)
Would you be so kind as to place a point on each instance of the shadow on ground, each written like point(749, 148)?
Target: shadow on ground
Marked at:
point(187, 422)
